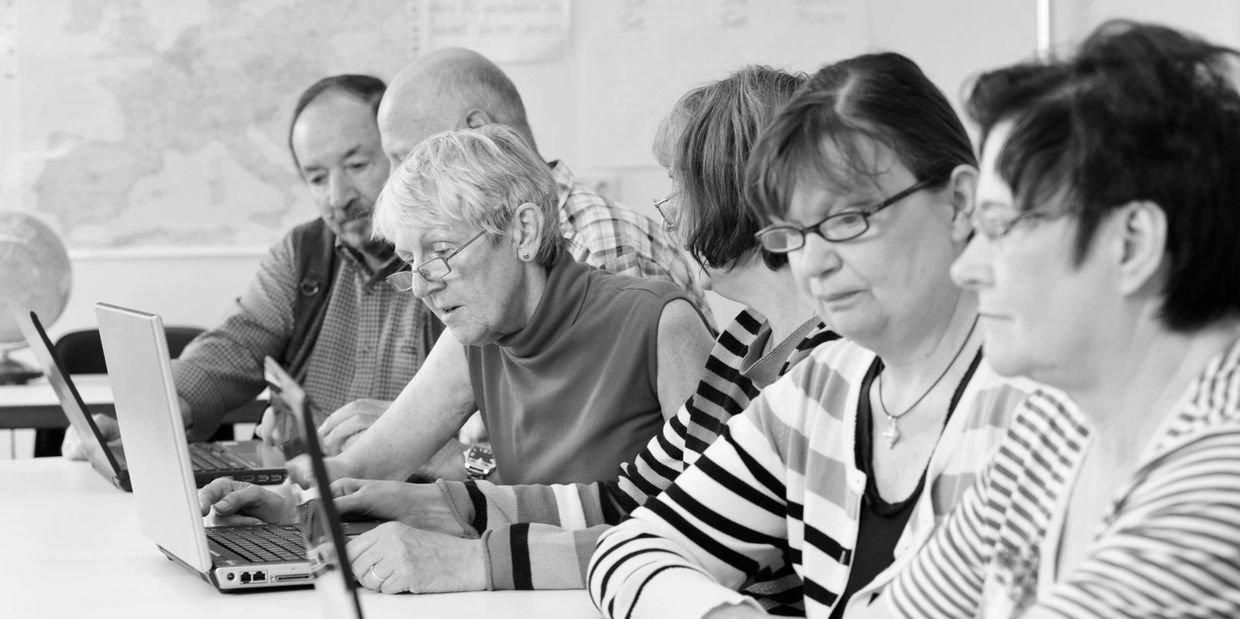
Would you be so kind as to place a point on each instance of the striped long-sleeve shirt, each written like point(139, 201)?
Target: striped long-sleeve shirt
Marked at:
point(781, 485)
point(541, 537)
point(1168, 547)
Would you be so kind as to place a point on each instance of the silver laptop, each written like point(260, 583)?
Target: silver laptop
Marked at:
point(242, 460)
point(234, 558)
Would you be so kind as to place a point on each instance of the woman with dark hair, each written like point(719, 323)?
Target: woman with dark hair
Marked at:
point(867, 177)
point(1107, 263)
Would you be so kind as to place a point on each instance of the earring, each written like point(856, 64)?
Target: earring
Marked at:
point(525, 256)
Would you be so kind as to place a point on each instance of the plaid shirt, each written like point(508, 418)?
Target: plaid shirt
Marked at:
point(372, 341)
point(611, 237)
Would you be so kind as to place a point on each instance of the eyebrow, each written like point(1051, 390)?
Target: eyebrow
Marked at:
point(348, 153)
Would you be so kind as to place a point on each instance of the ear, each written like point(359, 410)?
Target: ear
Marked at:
point(475, 118)
point(1141, 244)
point(527, 231)
point(962, 194)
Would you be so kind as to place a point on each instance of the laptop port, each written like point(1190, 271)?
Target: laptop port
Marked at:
point(232, 576)
point(260, 577)
point(245, 578)
point(290, 577)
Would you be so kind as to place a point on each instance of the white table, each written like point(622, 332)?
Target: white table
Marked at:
point(71, 548)
point(34, 405)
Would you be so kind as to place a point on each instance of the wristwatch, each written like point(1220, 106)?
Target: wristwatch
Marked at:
point(479, 461)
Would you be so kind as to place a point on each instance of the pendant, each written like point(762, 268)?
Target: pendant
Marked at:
point(891, 434)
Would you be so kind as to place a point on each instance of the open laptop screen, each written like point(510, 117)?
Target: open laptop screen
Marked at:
point(320, 522)
point(66, 392)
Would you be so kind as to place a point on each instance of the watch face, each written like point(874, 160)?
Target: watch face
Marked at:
point(479, 461)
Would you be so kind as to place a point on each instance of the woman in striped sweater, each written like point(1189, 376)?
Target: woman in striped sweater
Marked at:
point(853, 456)
point(1107, 264)
point(541, 536)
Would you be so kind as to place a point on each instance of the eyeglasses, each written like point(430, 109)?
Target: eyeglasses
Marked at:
point(836, 228)
point(990, 224)
point(432, 270)
point(666, 212)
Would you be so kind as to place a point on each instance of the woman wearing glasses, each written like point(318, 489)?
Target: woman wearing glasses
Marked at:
point(842, 464)
point(1106, 264)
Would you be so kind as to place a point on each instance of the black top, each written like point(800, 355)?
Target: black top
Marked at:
point(880, 523)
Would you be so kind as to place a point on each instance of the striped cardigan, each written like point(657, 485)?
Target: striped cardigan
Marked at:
point(782, 486)
point(542, 536)
point(1169, 546)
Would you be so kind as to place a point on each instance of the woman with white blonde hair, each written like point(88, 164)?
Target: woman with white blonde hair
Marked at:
point(573, 369)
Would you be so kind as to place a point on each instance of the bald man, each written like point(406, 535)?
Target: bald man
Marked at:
point(458, 88)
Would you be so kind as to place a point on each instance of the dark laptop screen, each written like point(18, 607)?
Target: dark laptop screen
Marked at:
point(320, 522)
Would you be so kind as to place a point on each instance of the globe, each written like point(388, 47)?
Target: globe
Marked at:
point(35, 275)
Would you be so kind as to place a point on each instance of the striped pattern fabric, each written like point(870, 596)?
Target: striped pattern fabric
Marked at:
point(541, 537)
point(780, 487)
point(611, 237)
point(1168, 547)
point(372, 341)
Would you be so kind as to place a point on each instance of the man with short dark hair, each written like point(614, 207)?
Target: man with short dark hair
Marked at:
point(319, 302)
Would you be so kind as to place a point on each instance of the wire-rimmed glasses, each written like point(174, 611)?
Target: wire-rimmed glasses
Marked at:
point(666, 211)
point(432, 270)
point(989, 223)
point(837, 228)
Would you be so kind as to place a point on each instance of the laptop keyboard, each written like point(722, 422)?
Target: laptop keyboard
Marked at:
point(210, 457)
point(261, 543)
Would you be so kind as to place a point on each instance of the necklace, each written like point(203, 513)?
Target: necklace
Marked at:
point(892, 433)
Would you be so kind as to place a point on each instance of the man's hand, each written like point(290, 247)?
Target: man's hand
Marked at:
point(421, 506)
point(393, 558)
point(238, 502)
point(74, 448)
point(342, 426)
point(276, 428)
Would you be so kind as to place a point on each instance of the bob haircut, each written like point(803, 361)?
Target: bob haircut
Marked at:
point(718, 126)
point(822, 132)
point(1141, 113)
point(472, 179)
point(367, 88)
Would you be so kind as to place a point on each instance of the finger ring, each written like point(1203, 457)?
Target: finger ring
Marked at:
point(372, 572)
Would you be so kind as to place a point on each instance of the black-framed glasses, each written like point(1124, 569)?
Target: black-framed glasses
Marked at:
point(432, 270)
point(837, 228)
point(665, 211)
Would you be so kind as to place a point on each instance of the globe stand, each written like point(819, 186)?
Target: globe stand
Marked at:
point(13, 372)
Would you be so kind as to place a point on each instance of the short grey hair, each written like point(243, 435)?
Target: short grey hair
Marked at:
point(471, 178)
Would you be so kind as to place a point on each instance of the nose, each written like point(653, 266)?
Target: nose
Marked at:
point(818, 256)
point(423, 288)
point(971, 270)
point(340, 190)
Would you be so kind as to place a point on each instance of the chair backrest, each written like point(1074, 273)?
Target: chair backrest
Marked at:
point(82, 351)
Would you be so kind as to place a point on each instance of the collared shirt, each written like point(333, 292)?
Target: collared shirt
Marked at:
point(611, 237)
point(1168, 547)
point(372, 341)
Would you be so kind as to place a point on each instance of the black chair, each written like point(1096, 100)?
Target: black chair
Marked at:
point(81, 352)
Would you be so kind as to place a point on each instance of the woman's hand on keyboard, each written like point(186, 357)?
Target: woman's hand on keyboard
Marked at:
point(421, 506)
